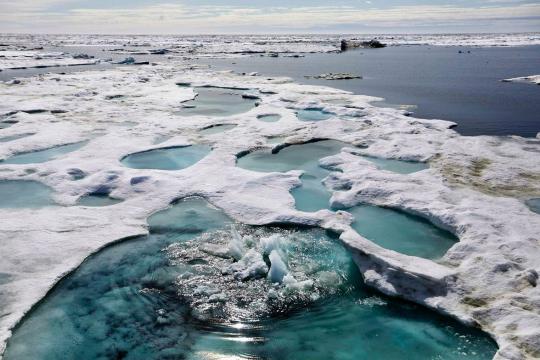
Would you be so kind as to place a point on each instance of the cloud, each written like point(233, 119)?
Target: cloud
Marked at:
point(16, 7)
point(26, 15)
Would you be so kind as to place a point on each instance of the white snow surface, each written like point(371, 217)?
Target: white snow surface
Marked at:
point(475, 187)
point(22, 59)
point(533, 79)
point(481, 40)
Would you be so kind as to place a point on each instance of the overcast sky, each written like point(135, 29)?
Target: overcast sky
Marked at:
point(268, 16)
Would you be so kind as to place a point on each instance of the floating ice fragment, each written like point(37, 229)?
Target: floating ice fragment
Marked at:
point(533, 79)
point(272, 243)
point(216, 250)
point(220, 297)
point(127, 61)
point(278, 268)
point(236, 245)
point(289, 279)
point(293, 285)
point(250, 266)
point(354, 44)
point(328, 279)
point(337, 76)
point(204, 290)
point(82, 56)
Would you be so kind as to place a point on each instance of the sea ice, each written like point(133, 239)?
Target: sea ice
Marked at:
point(22, 59)
point(533, 79)
point(474, 187)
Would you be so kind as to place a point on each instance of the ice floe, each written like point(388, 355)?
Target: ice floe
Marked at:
point(23, 59)
point(475, 187)
point(533, 79)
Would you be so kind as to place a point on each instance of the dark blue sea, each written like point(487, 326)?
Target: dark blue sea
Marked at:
point(441, 82)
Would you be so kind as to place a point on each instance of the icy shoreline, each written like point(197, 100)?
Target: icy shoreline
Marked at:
point(475, 187)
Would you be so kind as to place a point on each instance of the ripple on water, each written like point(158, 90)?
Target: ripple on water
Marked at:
point(133, 300)
point(173, 158)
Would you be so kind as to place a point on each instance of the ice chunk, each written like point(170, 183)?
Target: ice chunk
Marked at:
point(236, 245)
point(278, 268)
point(294, 286)
point(250, 266)
point(533, 79)
point(272, 242)
point(215, 298)
point(204, 290)
point(127, 61)
point(289, 280)
point(235, 248)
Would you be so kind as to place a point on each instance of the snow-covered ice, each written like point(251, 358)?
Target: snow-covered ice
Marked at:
point(203, 46)
point(23, 59)
point(533, 79)
point(475, 187)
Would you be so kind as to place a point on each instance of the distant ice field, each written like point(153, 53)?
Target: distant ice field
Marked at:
point(451, 77)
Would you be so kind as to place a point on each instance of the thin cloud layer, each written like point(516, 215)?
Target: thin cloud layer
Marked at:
point(74, 16)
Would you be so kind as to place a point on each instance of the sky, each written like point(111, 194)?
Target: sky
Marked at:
point(268, 16)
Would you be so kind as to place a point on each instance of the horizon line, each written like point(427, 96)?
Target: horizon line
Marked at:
point(273, 33)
